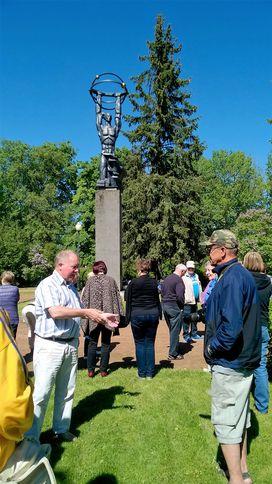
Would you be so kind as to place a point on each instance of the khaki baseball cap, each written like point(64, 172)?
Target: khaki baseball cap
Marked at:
point(224, 238)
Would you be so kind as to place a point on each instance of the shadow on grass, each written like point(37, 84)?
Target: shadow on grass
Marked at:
point(83, 412)
point(103, 479)
point(56, 452)
point(93, 404)
point(128, 362)
point(253, 431)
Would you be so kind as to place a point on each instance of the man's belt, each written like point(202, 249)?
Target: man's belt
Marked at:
point(58, 340)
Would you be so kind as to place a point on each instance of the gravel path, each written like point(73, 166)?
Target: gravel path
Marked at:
point(123, 351)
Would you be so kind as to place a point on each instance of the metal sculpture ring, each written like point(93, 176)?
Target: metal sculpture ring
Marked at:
point(108, 85)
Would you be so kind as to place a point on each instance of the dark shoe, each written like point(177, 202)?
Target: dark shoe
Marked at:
point(91, 373)
point(65, 437)
point(104, 373)
point(178, 357)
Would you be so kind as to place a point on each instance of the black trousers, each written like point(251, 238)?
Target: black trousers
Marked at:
point(105, 348)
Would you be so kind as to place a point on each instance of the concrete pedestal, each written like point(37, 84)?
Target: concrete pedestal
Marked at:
point(108, 230)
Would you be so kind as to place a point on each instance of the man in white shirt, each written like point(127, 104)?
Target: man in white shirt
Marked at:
point(58, 314)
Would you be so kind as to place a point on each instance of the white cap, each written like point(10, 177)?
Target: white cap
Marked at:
point(190, 264)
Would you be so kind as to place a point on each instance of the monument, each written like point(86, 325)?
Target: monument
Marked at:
point(108, 92)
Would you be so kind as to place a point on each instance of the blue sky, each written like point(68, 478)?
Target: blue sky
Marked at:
point(51, 50)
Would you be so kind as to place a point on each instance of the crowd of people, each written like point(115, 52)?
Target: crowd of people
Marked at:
point(233, 305)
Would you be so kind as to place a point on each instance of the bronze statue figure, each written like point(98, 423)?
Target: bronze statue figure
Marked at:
point(109, 167)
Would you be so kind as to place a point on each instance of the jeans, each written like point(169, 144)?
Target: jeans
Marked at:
point(105, 348)
point(144, 329)
point(172, 314)
point(260, 383)
point(54, 363)
point(187, 311)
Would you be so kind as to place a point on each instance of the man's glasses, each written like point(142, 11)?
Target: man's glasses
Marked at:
point(212, 248)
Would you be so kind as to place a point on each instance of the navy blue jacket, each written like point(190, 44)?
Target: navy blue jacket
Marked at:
point(233, 329)
point(172, 290)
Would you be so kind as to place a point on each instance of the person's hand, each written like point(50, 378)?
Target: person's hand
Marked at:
point(94, 314)
point(110, 320)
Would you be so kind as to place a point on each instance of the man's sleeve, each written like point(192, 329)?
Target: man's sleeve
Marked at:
point(231, 314)
point(47, 295)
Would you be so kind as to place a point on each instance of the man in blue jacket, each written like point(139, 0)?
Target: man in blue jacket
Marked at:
point(232, 347)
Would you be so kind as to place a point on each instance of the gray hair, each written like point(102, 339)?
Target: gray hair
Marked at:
point(181, 267)
point(63, 255)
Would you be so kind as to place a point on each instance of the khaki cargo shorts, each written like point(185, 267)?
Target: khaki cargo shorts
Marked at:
point(230, 392)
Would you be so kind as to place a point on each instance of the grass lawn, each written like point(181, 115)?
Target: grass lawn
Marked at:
point(159, 431)
point(26, 294)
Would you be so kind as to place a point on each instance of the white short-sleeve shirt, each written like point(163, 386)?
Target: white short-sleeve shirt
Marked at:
point(55, 291)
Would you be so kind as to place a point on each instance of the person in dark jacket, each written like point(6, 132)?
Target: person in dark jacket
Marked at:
point(143, 309)
point(173, 290)
point(9, 298)
point(254, 263)
point(232, 347)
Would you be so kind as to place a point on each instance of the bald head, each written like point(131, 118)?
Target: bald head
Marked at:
point(67, 265)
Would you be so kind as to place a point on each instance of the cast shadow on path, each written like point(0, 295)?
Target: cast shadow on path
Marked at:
point(82, 362)
point(127, 362)
point(185, 348)
point(28, 357)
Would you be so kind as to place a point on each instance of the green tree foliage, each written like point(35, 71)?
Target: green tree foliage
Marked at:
point(231, 186)
point(157, 221)
point(164, 122)
point(36, 187)
point(254, 231)
point(161, 209)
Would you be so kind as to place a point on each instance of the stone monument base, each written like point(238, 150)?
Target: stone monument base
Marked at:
point(108, 230)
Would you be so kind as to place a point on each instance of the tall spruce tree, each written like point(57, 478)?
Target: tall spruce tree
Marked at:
point(164, 122)
point(161, 212)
